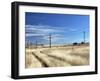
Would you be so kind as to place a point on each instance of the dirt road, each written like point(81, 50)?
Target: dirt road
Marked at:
point(57, 57)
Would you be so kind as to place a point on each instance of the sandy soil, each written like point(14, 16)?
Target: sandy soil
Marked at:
point(57, 56)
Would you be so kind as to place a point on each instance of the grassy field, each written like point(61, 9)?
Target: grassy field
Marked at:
point(61, 56)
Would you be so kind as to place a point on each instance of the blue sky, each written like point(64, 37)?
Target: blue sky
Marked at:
point(64, 28)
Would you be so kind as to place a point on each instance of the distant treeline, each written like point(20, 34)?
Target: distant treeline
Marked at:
point(76, 43)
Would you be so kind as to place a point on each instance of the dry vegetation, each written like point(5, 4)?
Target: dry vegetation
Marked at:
point(57, 56)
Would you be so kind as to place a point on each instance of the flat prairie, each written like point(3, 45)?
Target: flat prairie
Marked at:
point(57, 56)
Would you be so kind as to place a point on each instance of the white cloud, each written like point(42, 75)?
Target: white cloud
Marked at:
point(40, 29)
point(30, 34)
point(54, 37)
point(43, 31)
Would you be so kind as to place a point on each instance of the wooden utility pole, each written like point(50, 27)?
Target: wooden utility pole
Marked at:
point(50, 40)
point(84, 36)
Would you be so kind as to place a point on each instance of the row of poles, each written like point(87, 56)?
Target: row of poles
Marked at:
point(50, 39)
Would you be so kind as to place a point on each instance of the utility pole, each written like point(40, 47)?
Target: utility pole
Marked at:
point(84, 36)
point(50, 40)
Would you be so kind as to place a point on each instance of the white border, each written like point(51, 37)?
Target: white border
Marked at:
point(38, 71)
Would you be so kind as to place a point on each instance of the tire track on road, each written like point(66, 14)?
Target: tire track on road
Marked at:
point(71, 61)
point(50, 61)
point(41, 60)
point(58, 58)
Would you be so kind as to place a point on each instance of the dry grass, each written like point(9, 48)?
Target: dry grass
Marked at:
point(31, 61)
point(57, 56)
